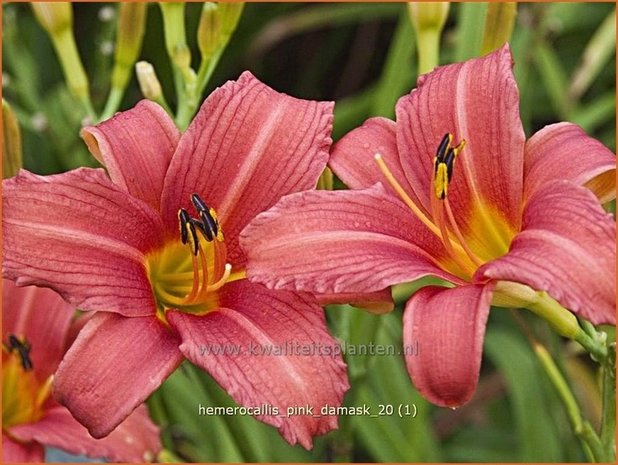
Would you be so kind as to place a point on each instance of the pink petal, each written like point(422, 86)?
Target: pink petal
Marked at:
point(136, 147)
point(253, 318)
point(247, 146)
point(340, 242)
point(567, 248)
point(15, 452)
point(82, 236)
point(378, 302)
point(113, 366)
point(42, 317)
point(477, 101)
point(564, 151)
point(448, 327)
point(135, 440)
point(353, 157)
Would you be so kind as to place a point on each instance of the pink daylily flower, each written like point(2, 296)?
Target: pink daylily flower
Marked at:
point(508, 218)
point(35, 334)
point(154, 251)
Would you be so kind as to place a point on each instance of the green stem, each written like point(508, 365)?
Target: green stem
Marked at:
point(608, 421)
point(207, 67)
point(428, 50)
point(512, 295)
point(180, 57)
point(581, 427)
point(74, 73)
point(113, 103)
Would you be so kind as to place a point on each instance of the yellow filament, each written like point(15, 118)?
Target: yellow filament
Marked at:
point(438, 214)
point(196, 283)
point(170, 298)
point(404, 196)
point(204, 288)
point(226, 274)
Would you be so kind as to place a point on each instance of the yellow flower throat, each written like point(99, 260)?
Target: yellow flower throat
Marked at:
point(23, 394)
point(187, 273)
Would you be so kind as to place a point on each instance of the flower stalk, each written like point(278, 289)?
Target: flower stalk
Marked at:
point(565, 323)
point(131, 27)
point(608, 421)
point(428, 19)
point(57, 20)
point(600, 449)
point(180, 57)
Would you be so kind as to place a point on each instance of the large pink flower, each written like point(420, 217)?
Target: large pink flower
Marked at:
point(508, 218)
point(155, 252)
point(35, 332)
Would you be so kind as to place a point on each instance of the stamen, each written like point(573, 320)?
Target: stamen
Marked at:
point(443, 164)
point(438, 215)
point(223, 280)
point(404, 196)
point(210, 224)
point(23, 349)
point(196, 278)
point(204, 289)
point(191, 230)
point(187, 229)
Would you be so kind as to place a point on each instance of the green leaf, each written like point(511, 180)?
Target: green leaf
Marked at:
point(553, 77)
point(536, 433)
point(470, 25)
point(598, 52)
point(398, 71)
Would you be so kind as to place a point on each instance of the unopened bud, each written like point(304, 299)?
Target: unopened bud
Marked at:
point(428, 15)
point(148, 82)
point(131, 25)
point(54, 16)
point(57, 19)
point(325, 181)
point(499, 24)
point(11, 142)
point(209, 30)
point(230, 15)
point(428, 19)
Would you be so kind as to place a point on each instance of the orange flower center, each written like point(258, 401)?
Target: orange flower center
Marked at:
point(23, 394)
point(187, 273)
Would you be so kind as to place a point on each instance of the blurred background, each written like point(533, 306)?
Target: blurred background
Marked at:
point(364, 57)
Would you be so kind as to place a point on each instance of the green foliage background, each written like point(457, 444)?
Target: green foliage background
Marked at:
point(364, 57)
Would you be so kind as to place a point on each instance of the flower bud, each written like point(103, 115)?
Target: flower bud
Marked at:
point(11, 142)
point(54, 17)
point(499, 24)
point(57, 19)
point(209, 30)
point(428, 19)
point(428, 15)
point(230, 15)
point(325, 181)
point(131, 25)
point(148, 81)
